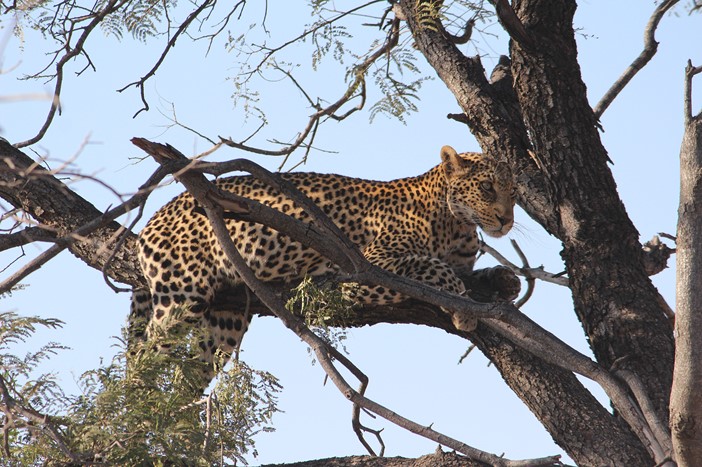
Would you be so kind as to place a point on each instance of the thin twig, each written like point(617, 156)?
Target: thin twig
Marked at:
point(171, 43)
point(649, 50)
point(316, 27)
point(26, 236)
point(71, 52)
point(329, 111)
point(527, 272)
point(531, 281)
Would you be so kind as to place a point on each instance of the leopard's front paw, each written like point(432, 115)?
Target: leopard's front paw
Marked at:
point(505, 283)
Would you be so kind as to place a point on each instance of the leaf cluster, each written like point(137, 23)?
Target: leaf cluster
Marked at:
point(139, 18)
point(321, 307)
point(22, 389)
point(400, 96)
point(147, 409)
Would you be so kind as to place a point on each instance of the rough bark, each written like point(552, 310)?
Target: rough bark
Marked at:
point(686, 399)
point(621, 323)
point(26, 185)
point(619, 308)
point(537, 102)
point(439, 458)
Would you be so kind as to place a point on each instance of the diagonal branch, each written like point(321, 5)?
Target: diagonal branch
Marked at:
point(200, 188)
point(80, 233)
point(650, 49)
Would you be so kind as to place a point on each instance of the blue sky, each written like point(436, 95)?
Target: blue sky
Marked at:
point(413, 370)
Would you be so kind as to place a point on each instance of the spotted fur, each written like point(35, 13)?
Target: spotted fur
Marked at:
point(421, 227)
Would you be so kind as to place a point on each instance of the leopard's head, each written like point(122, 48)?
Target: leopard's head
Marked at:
point(480, 190)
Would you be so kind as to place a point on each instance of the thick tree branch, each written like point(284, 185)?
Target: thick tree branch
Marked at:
point(495, 117)
point(686, 401)
point(618, 306)
point(29, 187)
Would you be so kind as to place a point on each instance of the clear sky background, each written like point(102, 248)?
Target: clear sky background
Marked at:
point(413, 370)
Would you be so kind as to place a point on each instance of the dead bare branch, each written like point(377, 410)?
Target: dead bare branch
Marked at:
point(650, 49)
point(527, 272)
point(656, 255)
point(690, 72)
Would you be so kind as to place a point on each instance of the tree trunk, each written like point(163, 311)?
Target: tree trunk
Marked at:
point(566, 186)
point(686, 398)
point(614, 299)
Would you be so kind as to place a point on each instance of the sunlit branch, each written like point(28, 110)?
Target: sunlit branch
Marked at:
point(690, 72)
point(525, 271)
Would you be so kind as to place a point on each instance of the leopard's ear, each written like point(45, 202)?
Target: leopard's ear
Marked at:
point(452, 162)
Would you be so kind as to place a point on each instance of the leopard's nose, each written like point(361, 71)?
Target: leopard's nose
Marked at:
point(505, 223)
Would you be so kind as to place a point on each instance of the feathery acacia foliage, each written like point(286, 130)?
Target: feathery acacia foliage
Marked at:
point(144, 413)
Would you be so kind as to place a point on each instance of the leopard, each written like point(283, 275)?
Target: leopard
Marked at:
point(422, 227)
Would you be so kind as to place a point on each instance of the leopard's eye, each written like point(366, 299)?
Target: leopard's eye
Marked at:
point(486, 185)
